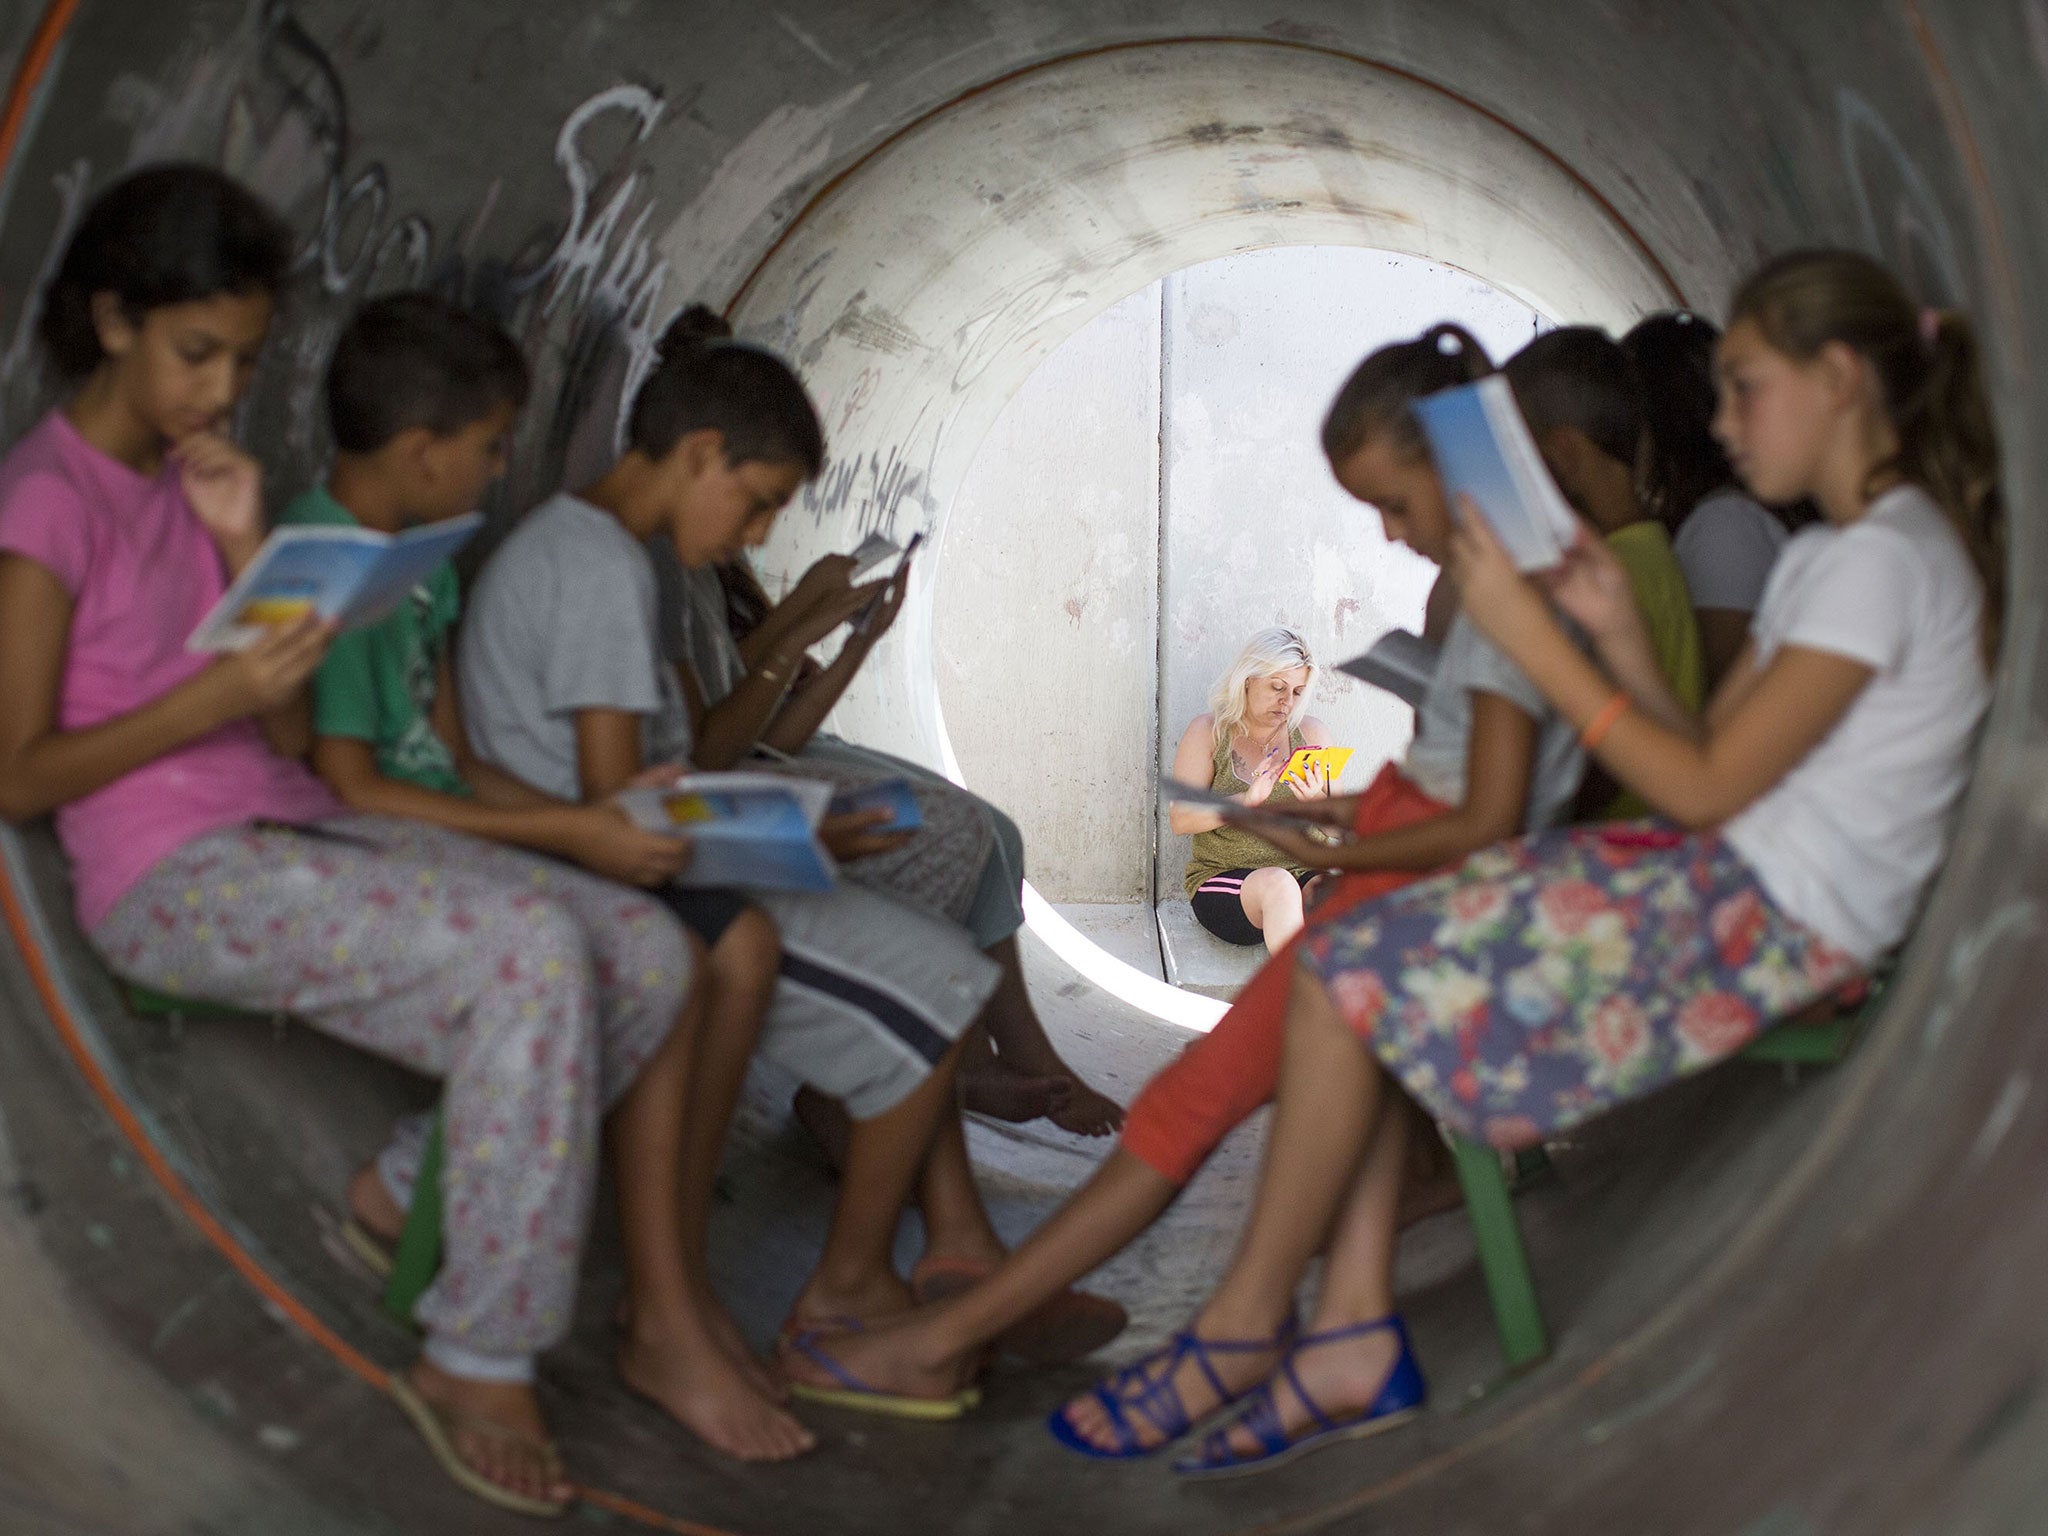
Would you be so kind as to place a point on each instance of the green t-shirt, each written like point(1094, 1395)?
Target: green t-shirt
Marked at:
point(378, 684)
point(1644, 550)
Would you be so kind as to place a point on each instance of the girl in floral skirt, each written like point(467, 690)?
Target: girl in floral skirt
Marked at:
point(1549, 979)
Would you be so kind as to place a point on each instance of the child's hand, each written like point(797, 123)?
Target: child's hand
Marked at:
point(852, 836)
point(1293, 841)
point(1502, 603)
point(271, 671)
point(1592, 586)
point(867, 631)
point(225, 488)
point(833, 610)
point(660, 776)
point(831, 574)
point(608, 842)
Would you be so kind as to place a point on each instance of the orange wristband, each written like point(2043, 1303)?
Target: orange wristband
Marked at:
point(1597, 728)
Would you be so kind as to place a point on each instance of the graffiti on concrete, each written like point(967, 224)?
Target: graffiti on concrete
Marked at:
point(1900, 217)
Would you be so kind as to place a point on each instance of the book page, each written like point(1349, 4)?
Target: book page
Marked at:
point(1483, 452)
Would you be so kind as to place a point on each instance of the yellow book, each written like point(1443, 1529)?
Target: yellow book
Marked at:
point(1330, 759)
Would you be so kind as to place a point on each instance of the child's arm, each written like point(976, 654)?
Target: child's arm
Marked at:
point(1499, 763)
point(753, 712)
point(601, 838)
point(42, 767)
point(798, 720)
point(1699, 780)
point(826, 577)
point(1594, 587)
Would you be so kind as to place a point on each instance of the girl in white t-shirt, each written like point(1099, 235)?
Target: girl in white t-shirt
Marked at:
point(1726, 541)
point(1548, 979)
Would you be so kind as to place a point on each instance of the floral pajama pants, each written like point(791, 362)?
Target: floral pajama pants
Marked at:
point(1546, 980)
point(534, 991)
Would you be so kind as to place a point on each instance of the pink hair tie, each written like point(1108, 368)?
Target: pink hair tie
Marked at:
point(1930, 325)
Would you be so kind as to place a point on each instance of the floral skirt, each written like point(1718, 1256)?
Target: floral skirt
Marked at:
point(1546, 980)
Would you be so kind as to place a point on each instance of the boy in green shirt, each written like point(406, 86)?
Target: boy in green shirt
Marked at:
point(421, 396)
point(1584, 407)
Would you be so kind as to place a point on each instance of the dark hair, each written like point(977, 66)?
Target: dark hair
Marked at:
point(170, 234)
point(418, 360)
point(1577, 376)
point(1927, 367)
point(1377, 396)
point(747, 394)
point(1673, 355)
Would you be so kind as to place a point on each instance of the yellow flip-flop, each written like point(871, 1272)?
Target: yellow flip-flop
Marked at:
point(439, 1426)
point(375, 1253)
point(856, 1394)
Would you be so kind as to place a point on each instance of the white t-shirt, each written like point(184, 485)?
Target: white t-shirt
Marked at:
point(1848, 839)
point(1726, 547)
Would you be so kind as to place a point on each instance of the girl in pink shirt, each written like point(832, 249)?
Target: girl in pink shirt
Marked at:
point(209, 862)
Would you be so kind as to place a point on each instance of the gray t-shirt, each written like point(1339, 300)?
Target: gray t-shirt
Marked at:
point(1470, 663)
point(562, 619)
point(694, 628)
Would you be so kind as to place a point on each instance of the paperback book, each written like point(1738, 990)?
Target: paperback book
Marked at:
point(1484, 453)
point(746, 829)
point(354, 576)
point(1400, 662)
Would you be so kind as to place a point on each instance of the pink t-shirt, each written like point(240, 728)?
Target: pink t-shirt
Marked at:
point(142, 572)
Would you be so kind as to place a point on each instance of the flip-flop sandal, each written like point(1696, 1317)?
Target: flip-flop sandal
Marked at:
point(1146, 1388)
point(854, 1393)
point(439, 1426)
point(378, 1256)
point(1399, 1400)
point(1069, 1327)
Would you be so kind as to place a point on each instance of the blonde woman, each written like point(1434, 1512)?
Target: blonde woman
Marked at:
point(1243, 889)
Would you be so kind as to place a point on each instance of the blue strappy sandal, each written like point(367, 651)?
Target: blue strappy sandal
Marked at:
point(1146, 1388)
point(1399, 1400)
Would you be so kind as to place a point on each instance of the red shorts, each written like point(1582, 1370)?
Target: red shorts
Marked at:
point(1216, 1083)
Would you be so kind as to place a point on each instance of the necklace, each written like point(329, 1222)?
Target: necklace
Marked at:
point(1272, 744)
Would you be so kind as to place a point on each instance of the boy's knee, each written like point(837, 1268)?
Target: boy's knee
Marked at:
point(750, 948)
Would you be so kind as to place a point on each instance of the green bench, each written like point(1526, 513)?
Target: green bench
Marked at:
point(1489, 1200)
point(418, 1255)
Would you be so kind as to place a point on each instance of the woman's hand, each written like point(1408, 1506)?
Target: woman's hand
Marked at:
point(225, 488)
point(1267, 777)
point(271, 671)
point(1502, 603)
point(853, 836)
point(606, 841)
point(1593, 587)
point(1312, 782)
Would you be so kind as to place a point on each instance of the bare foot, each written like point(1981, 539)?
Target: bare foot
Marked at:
point(765, 1375)
point(1087, 1112)
point(372, 1206)
point(867, 1301)
point(1002, 1093)
point(521, 1460)
point(698, 1385)
point(1341, 1377)
point(897, 1357)
point(1236, 1371)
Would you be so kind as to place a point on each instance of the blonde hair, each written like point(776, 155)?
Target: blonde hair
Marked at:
point(1270, 651)
point(1927, 365)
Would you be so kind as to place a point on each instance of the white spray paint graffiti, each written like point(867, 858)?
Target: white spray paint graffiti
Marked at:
point(1913, 226)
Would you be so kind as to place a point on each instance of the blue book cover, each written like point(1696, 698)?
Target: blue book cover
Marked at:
point(1483, 450)
point(745, 829)
point(355, 576)
point(892, 795)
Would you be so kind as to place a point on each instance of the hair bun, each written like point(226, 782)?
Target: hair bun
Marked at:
point(691, 330)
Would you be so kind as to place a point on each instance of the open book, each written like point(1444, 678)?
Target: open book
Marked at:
point(870, 553)
point(745, 829)
point(355, 576)
point(892, 795)
point(1483, 450)
point(1400, 662)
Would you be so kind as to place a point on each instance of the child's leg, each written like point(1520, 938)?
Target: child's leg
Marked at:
point(454, 976)
point(933, 1350)
point(1024, 1051)
point(856, 1276)
point(956, 1224)
point(1329, 1105)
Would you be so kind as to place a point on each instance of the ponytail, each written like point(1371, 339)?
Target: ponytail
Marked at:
point(1375, 399)
point(1928, 367)
point(706, 380)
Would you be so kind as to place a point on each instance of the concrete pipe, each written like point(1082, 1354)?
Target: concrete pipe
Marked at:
point(1779, 1307)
